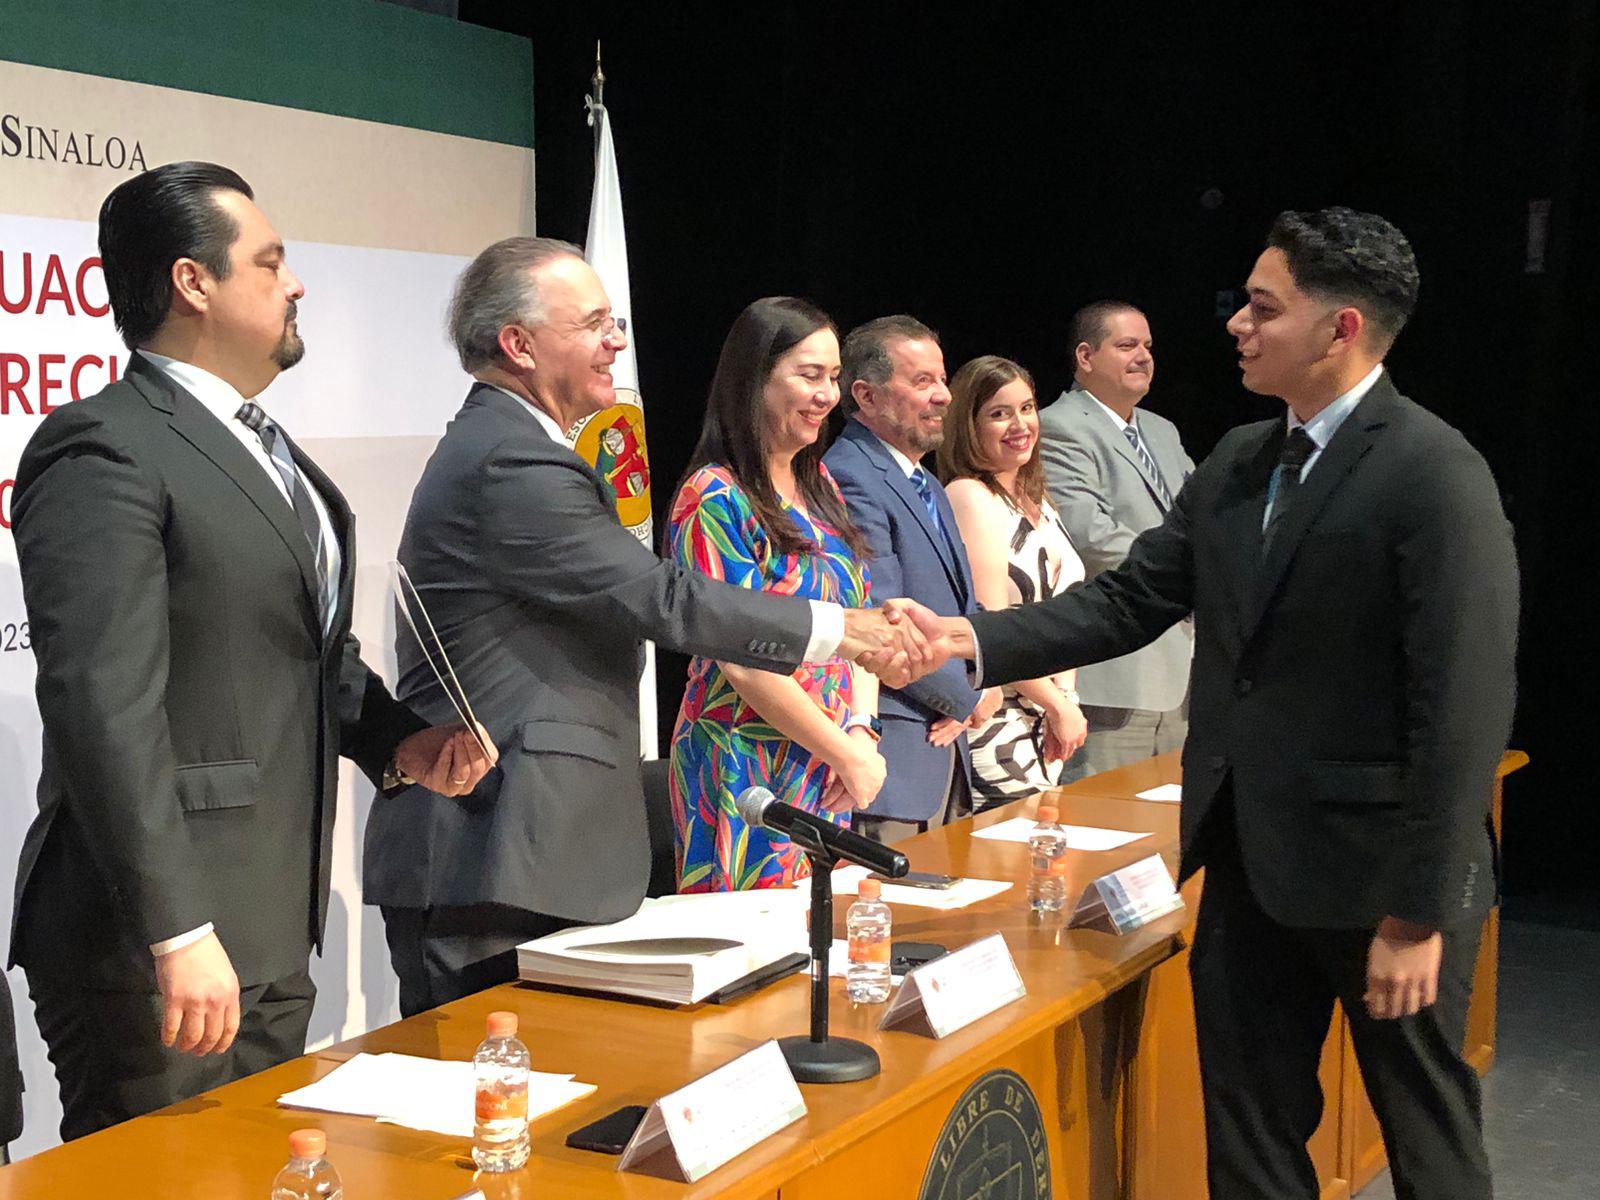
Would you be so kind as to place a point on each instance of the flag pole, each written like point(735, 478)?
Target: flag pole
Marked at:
point(597, 99)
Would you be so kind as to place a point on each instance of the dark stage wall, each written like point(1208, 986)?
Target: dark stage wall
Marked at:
point(992, 169)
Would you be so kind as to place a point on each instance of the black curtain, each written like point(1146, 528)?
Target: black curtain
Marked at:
point(992, 168)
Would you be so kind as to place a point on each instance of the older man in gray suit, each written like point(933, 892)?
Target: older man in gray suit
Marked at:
point(541, 599)
point(1113, 471)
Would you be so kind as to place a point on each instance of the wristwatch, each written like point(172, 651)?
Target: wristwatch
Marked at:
point(1071, 695)
point(868, 722)
point(394, 778)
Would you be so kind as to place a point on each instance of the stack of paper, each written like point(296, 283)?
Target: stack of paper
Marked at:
point(1079, 837)
point(420, 1093)
point(675, 948)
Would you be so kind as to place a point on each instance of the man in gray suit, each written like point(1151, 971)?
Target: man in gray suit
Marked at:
point(541, 599)
point(1112, 472)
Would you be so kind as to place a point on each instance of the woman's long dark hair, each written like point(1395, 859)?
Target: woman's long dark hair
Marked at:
point(732, 435)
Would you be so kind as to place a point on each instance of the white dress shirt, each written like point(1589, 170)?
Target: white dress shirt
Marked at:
point(827, 618)
point(1325, 424)
point(1321, 428)
point(223, 401)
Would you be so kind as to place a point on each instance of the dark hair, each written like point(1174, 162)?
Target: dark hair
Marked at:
point(973, 386)
point(865, 354)
point(732, 434)
point(1091, 323)
point(149, 223)
point(500, 287)
point(1351, 258)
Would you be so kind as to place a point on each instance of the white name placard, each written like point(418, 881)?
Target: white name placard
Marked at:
point(691, 1132)
point(1126, 899)
point(956, 989)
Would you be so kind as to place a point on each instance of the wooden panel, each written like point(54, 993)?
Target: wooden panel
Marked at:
point(1075, 1073)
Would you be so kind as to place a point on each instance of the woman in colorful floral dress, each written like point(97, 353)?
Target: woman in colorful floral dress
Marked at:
point(758, 509)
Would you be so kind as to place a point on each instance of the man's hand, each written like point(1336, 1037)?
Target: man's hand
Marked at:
point(202, 997)
point(1402, 969)
point(446, 758)
point(883, 642)
point(944, 638)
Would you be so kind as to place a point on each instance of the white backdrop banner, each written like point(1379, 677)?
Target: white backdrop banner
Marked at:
point(378, 220)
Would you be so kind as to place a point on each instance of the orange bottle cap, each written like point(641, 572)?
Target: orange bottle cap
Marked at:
point(308, 1143)
point(1049, 812)
point(502, 1024)
point(869, 889)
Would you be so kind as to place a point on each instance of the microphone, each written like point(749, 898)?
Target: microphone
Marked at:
point(758, 806)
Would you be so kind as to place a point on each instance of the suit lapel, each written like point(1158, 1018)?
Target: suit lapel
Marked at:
point(344, 529)
point(190, 421)
point(1333, 466)
point(1240, 507)
point(908, 495)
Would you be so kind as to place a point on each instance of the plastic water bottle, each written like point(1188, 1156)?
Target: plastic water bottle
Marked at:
point(866, 979)
point(500, 1139)
point(1047, 848)
point(307, 1175)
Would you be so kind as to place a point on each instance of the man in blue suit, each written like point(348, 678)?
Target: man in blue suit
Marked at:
point(896, 393)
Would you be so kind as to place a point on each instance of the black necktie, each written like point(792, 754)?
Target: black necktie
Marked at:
point(1297, 450)
point(252, 417)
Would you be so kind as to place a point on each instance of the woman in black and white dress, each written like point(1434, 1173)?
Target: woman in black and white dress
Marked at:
point(1020, 553)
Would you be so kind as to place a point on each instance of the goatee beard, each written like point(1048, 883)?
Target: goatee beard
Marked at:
point(289, 350)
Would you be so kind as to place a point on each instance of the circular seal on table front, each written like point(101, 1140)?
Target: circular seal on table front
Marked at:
point(992, 1146)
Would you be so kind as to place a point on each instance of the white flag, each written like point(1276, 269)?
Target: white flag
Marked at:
point(613, 440)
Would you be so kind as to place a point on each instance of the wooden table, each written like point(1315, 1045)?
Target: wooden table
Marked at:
point(1110, 1065)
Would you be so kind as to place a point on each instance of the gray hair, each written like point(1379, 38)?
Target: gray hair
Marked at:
point(865, 353)
point(497, 289)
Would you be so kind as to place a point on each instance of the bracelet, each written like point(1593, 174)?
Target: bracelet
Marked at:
point(871, 724)
point(1070, 695)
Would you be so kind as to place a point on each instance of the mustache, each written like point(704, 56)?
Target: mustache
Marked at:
point(294, 311)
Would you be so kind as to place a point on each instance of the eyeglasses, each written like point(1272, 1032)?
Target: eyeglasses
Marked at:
point(607, 325)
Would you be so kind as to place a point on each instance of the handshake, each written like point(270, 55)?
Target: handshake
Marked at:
point(903, 640)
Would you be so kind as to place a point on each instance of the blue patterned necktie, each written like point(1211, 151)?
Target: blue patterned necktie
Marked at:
point(252, 417)
point(1131, 432)
point(919, 480)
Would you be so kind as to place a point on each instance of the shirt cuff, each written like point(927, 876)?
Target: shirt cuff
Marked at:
point(182, 940)
point(975, 671)
point(827, 631)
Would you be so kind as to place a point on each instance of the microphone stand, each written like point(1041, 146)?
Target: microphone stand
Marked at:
point(819, 1058)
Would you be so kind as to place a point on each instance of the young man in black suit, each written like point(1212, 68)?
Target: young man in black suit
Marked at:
point(188, 576)
point(1354, 588)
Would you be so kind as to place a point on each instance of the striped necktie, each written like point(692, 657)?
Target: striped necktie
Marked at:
point(919, 480)
point(1131, 432)
point(252, 417)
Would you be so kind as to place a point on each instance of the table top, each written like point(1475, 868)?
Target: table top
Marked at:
point(231, 1141)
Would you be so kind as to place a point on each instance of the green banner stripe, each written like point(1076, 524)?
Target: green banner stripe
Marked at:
point(351, 58)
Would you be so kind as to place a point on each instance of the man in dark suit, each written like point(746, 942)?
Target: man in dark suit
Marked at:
point(1354, 588)
point(10, 1076)
point(188, 576)
point(893, 378)
point(542, 600)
